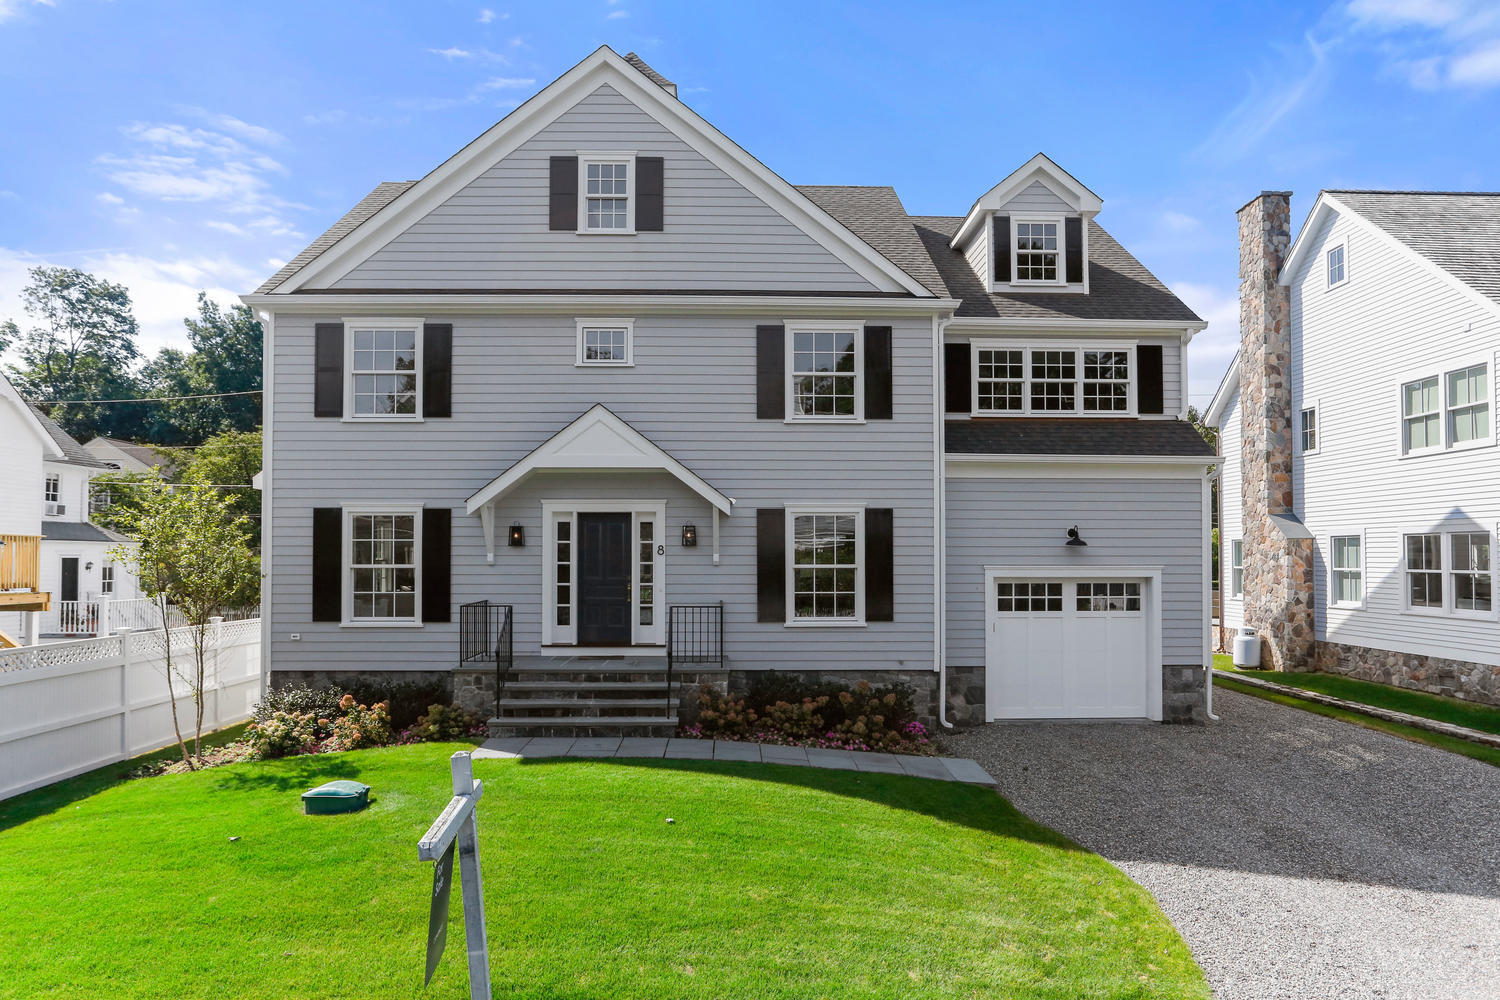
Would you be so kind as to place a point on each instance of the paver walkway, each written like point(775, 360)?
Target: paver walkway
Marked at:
point(936, 768)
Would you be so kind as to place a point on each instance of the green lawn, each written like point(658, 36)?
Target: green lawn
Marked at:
point(773, 882)
point(1448, 709)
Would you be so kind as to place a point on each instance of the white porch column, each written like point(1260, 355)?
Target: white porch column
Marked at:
point(32, 628)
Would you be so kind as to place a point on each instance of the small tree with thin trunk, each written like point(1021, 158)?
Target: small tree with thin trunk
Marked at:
point(192, 552)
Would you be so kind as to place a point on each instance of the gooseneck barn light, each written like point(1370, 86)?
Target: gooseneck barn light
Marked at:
point(1074, 538)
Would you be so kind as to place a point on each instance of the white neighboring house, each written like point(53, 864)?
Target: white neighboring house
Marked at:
point(127, 456)
point(45, 492)
point(1387, 432)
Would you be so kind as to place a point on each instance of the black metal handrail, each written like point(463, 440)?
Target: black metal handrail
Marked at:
point(485, 630)
point(695, 634)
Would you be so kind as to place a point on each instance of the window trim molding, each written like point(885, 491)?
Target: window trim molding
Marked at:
point(556, 636)
point(588, 323)
point(1236, 545)
point(861, 564)
point(1316, 406)
point(1441, 372)
point(793, 327)
point(1342, 243)
point(346, 582)
point(1027, 345)
point(586, 157)
point(1364, 591)
point(1449, 608)
point(1450, 573)
point(1062, 249)
point(353, 323)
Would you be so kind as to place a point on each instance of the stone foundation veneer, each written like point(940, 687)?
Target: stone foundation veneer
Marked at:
point(1476, 682)
point(1181, 695)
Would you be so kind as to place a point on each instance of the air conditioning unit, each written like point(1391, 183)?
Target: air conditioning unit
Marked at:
point(56, 509)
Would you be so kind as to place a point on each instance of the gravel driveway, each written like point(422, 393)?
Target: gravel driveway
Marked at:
point(1299, 856)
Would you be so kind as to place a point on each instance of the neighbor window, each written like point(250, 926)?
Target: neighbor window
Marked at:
point(1310, 429)
point(1053, 379)
point(606, 195)
point(382, 569)
point(1237, 568)
point(1113, 595)
point(383, 364)
point(1447, 411)
point(51, 489)
point(106, 580)
point(1424, 571)
point(825, 375)
point(1336, 272)
point(1471, 571)
point(1027, 598)
point(825, 565)
point(1038, 250)
point(605, 342)
point(1348, 570)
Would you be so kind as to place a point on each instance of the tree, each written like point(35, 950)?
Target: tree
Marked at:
point(82, 346)
point(228, 349)
point(192, 552)
point(231, 460)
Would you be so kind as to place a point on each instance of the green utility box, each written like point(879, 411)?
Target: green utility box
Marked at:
point(335, 797)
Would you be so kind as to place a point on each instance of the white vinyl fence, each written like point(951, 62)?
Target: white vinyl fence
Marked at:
point(69, 707)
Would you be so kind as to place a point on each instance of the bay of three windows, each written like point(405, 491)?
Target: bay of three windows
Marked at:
point(1037, 379)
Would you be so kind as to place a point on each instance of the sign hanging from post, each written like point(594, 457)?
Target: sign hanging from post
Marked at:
point(457, 826)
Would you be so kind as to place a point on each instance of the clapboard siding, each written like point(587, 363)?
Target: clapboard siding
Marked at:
point(1352, 347)
point(977, 253)
point(494, 234)
point(1014, 521)
point(21, 485)
point(1036, 197)
point(692, 392)
point(1230, 528)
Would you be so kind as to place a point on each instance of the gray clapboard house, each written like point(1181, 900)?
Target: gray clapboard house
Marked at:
point(602, 395)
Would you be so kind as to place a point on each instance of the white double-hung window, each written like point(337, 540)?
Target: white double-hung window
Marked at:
point(1450, 572)
point(606, 193)
point(1346, 563)
point(825, 372)
point(1471, 572)
point(1448, 410)
point(1237, 568)
point(825, 573)
point(1050, 379)
point(1336, 258)
point(382, 565)
point(383, 360)
point(1037, 256)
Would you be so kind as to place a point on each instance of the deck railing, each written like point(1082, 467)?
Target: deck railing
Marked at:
point(485, 633)
point(695, 634)
point(20, 562)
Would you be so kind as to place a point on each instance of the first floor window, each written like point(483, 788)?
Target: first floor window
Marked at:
point(1237, 568)
point(383, 372)
point(646, 548)
point(106, 579)
point(383, 566)
point(825, 566)
point(1036, 251)
point(1424, 571)
point(1310, 429)
point(1471, 571)
point(1025, 597)
point(1348, 570)
point(825, 374)
point(1112, 595)
point(564, 595)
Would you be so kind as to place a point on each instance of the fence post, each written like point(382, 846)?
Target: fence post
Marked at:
point(125, 651)
point(215, 641)
point(104, 619)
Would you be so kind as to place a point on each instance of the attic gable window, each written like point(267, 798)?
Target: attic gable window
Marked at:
point(606, 194)
point(1039, 245)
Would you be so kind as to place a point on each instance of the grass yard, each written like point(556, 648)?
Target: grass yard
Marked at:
point(1382, 695)
point(773, 882)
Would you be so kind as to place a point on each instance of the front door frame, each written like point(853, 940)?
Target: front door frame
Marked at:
point(560, 511)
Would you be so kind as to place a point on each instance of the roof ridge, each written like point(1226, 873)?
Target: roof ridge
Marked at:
point(1469, 194)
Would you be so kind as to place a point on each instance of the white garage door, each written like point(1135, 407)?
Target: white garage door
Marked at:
point(1067, 649)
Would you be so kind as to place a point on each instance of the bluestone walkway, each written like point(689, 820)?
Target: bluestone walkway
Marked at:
point(936, 768)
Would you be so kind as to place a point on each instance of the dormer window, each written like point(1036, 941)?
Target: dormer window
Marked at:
point(606, 194)
point(1038, 246)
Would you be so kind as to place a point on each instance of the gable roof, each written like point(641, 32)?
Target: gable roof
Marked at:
point(385, 192)
point(1459, 231)
point(73, 453)
point(34, 420)
point(651, 74)
point(143, 453)
point(361, 237)
point(875, 214)
point(1040, 167)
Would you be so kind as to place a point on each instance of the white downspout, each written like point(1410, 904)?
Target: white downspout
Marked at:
point(1209, 476)
point(939, 519)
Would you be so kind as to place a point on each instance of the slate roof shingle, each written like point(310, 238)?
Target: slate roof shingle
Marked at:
point(1075, 436)
point(1458, 231)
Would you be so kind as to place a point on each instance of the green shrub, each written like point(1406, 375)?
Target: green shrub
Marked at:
point(299, 699)
point(359, 727)
point(282, 735)
point(446, 722)
point(406, 701)
point(778, 708)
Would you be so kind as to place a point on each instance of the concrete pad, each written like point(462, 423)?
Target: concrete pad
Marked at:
point(730, 750)
point(924, 767)
point(642, 746)
point(967, 771)
point(881, 763)
point(548, 746)
point(680, 749)
point(783, 755)
point(835, 760)
point(503, 749)
point(596, 746)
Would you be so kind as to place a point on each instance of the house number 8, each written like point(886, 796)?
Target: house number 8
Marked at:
point(661, 550)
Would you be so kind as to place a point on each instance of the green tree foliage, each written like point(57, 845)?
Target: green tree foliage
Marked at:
point(228, 461)
point(80, 345)
point(226, 357)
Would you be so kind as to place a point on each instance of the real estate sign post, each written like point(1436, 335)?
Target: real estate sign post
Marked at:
point(457, 826)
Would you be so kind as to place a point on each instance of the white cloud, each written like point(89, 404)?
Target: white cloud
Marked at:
point(7, 194)
point(13, 8)
point(615, 15)
point(1179, 222)
point(1433, 44)
point(224, 226)
point(506, 83)
point(486, 16)
point(1479, 68)
point(325, 117)
point(1389, 13)
point(109, 199)
point(1267, 103)
point(452, 52)
point(257, 135)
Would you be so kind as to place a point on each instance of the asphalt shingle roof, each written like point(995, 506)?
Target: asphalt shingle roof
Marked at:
point(142, 453)
point(1074, 436)
point(876, 215)
point(1458, 231)
point(385, 192)
point(75, 455)
point(79, 531)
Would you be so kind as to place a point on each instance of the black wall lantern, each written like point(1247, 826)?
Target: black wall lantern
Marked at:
point(1074, 538)
point(517, 535)
point(689, 536)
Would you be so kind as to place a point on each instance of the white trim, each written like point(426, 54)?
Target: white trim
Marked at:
point(1043, 218)
point(1341, 245)
point(959, 328)
point(628, 325)
point(584, 161)
point(601, 67)
point(1039, 168)
point(621, 447)
point(1237, 547)
point(967, 466)
point(793, 327)
point(861, 565)
point(655, 303)
point(1441, 371)
point(265, 484)
point(400, 324)
point(1316, 407)
point(1153, 608)
point(1332, 570)
point(346, 571)
point(561, 637)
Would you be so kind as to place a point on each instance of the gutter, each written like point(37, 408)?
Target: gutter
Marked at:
point(1210, 476)
point(939, 522)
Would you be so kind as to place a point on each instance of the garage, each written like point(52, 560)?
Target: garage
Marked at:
point(1076, 647)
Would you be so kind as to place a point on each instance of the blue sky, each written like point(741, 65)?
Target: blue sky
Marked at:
point(178, 146)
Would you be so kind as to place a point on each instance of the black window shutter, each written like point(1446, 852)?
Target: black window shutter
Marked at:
point(650, 182)
point(1073, 249)
point(880, 565)
point(327, 564)
point(1149, 395)
point(328, 370)
point(770, 372)
point(437, 568)
point(562, 194)
point(958, 378)
point(877, 373)
point(1001, 249)
point(770, 564)
point(437, 370)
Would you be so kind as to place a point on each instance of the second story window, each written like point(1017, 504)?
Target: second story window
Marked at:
point(1049, 380)
point(1038, 250)
point(1309, 429)
point(51, 490)
point(383, 366)
point(1337, 272)
point(606, 195)
point(606, 342)
point(1446, 411)
point(824, 374)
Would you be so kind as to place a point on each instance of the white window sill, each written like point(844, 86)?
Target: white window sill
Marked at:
point(823, 420)
point(824, 623)
point(604, 364)
point(381, 624)
point(1473, 616)
point(1337, 606)
point(381, 420)
point(1450, 449)
point(1427, 612)
point(1086, 414)
point(606, 232)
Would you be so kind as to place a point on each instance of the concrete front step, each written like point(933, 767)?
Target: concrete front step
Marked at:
point(529, 704)
point(585, 725)
point(591, 677)
point(569, 686)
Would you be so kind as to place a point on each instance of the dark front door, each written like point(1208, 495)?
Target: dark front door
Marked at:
point(70, 579)
point(604, 579)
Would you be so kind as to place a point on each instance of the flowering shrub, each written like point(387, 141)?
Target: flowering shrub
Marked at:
point(361, 727)
point(282, 734)
point(445, 722)
point(791, 712)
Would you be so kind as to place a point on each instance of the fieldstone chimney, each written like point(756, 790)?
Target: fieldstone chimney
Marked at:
point(1278, 550)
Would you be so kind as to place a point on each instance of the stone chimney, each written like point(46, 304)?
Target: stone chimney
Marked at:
point(1278, 550)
